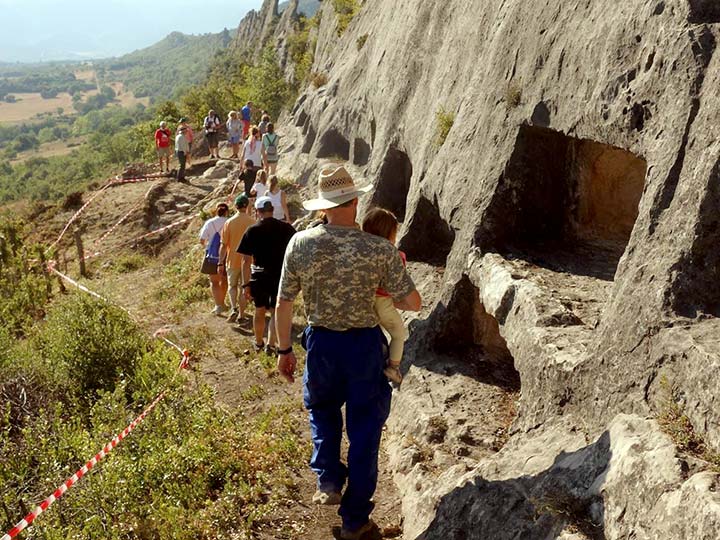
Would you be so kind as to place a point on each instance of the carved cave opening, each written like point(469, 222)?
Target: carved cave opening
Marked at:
point(704, 11)
point(393, 184)
point(334, 145)
point(565, 203)
point(427, 237)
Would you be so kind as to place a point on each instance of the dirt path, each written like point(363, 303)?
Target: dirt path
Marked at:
point(243, 380)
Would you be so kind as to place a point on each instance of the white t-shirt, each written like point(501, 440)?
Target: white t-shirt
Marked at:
point(212, 226)
point(276, 198)
point(260, 189)
point(255, 156)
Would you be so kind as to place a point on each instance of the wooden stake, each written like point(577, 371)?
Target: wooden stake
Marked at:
point(81, 252)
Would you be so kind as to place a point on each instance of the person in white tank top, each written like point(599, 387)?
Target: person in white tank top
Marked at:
point(277, 196)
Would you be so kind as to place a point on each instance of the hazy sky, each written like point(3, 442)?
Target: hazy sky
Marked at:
point(32, 30)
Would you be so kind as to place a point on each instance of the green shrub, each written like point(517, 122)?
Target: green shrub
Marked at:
point(444, 121)
point(95, 342)
point(24, 282)
point(129, 262)
point(345, 11)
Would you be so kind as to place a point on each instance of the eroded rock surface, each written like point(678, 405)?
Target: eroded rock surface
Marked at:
point(565, 237)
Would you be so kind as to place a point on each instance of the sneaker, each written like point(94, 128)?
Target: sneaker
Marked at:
point(357, 534)
point(327, 498)
point(233, 315)
point(393, 373)
point(219, 310)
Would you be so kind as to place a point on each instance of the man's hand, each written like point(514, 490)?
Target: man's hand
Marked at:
point(286, 366)
point(246, 292)
point(221, 270)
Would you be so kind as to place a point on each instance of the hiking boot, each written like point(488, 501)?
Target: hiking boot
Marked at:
point(357, 534)
point(327, 498)
point(233, 315)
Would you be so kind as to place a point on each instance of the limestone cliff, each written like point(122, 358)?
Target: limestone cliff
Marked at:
point(566, 238)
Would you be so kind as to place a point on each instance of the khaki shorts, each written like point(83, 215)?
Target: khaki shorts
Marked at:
point(164, 152)
point(234, 276)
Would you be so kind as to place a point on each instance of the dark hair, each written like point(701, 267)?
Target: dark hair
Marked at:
point(271, 128)
point(380, 222)
point(222, 209)
point(265, 117)
point(249, 163)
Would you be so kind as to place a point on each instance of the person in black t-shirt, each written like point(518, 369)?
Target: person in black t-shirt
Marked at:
point(263, 248)
point(247, 177)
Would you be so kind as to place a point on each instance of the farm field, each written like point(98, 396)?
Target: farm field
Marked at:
point(54, 148)
point(30, 105)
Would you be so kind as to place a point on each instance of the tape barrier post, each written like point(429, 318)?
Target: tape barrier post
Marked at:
point(70, 482)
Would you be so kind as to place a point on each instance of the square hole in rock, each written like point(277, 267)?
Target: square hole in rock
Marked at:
point(564, 203)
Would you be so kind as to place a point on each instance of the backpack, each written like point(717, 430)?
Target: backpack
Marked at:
point(212, 252)
point(271, 147)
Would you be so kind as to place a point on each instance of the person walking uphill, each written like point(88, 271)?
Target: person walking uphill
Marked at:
point(263, 248)
point(231, 262)
point(338, 268)
point(212, 124)
point(210, 237)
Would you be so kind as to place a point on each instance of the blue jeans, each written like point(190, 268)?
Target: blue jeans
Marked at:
point(347, 368)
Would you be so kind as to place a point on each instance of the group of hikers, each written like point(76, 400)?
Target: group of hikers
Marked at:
point(352, 281)
point(256, 143)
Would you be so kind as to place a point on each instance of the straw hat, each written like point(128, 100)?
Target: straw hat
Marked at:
point(336, 187)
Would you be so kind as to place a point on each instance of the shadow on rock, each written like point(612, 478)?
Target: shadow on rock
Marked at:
point(560, 499)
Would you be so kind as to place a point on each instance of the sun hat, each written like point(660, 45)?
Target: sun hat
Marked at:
point(241, 201)
point(263, 203)
point(336, 187)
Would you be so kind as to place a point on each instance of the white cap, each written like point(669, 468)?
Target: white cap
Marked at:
point(263, 203)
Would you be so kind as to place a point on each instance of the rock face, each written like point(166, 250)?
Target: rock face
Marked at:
point(565, 235)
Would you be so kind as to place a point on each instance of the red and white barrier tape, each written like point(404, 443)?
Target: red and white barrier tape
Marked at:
point(60, 491)
point(51, 268)
point(160, 230)
point(77, 215)
point(137, 179)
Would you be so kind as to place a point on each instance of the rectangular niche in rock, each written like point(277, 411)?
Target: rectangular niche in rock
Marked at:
point(565, 203)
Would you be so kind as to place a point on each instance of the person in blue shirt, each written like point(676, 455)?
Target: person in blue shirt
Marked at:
point(246, 117)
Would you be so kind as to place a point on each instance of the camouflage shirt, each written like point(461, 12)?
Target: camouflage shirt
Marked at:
point(338, 270)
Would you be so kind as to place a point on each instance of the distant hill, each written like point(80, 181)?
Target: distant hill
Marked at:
point(306, 7)
point(166, 68)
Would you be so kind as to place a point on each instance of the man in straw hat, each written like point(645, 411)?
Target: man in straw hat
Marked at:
point(338, 268)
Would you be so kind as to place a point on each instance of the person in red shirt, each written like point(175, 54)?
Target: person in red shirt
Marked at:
point(163, 137)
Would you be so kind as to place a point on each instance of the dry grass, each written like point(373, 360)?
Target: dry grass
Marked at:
point(676, 424)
